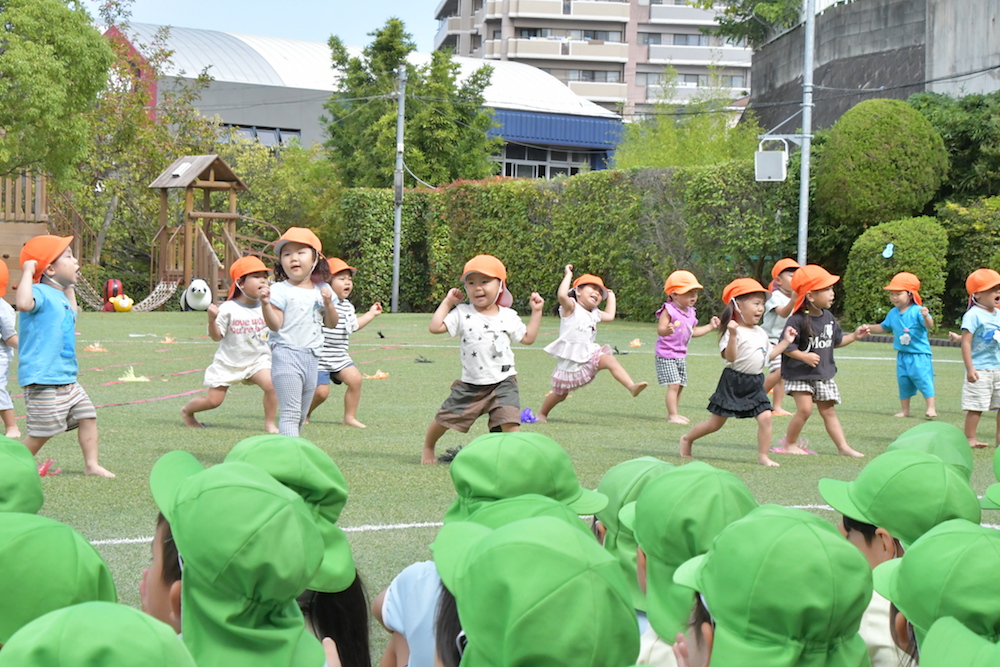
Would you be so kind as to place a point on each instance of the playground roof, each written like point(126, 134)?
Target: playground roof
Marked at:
point(186, 170)
point(292, 63)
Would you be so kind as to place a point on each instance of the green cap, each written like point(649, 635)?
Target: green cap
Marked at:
point(308, 471)
point(503, 465)
point(991, 499)
point(622, 485)
point(508, 510)
point(20, 485)
point(535, 593)
point(945, 441)
point(248, 547)
point(95, 634)
point(45, 565)
point(905, 492)
point(950, 571)
point(677, 517)
point(784, 589)
point(950, 643)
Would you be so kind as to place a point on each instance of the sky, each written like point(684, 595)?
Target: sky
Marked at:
point(311, 20)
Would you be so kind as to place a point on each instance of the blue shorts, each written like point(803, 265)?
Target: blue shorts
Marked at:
point(325, 377)
point(914, 373)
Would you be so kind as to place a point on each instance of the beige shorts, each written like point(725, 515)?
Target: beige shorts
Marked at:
point(982, 395)
point(220, 375)
point(53, 409)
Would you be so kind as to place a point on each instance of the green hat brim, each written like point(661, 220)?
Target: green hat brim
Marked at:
point(588, 502)
point(687, 573)
point(837, 494)
point(626, 516)
point(884, 578)
point(168, 474)
point(991, 499)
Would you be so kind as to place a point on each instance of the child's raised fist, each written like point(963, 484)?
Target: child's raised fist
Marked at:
point(536, 301)
point(376, 308)
point(455, 296)
point(732, 325)
point(715, 322)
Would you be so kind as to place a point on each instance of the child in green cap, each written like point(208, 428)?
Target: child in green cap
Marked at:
point(991, 499)
point(945, 441)
point(677, 517)
point(20, 485)
point(95, 633)
point(756, 607)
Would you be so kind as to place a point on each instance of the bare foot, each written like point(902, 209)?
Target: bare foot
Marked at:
point(306, 421)
point(189, 420)
point(637, 388)
point(13, 435)
point(795, 449)
point(766, 461)
point(847, 451)
point(271, 428)
point(98, 470)
point(541, 418)
point(352, 421)
point(976, 444)
point(685, 447)
point(930, 414)
point(780, 412)
point(678, 419)
point(902, 414)
point(427, 457)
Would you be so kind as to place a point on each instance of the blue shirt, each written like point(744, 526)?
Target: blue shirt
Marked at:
point(912, 322)
point(985, 328)
point(47, 339)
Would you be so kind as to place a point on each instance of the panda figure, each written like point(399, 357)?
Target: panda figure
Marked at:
point(197, 296)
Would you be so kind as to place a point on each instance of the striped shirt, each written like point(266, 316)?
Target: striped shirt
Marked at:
point(333, 357)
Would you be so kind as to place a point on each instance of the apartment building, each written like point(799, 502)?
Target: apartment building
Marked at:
point(612, 52)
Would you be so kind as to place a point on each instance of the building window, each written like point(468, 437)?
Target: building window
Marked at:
point(732, 81)
point(596, 35)
point(691, 40)
point(268, 136)
point(650, 38)
point(496, 34)
point(534, 33)
point(519, 161)
point(648, 78)
point(693, 79)
point(601, 76)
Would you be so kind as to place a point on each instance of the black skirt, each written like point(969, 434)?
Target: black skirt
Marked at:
point(739, 395)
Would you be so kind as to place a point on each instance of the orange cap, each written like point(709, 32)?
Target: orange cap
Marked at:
point(783, 265)
point(337, 265)
point(809, 278)
point(681, 282)
point(299, 235)
point(981, 280)
point(242, 267)
point(740, 287)
point(588, 279)
point(4, 277)
point(488, 265)
point(44, 250)
point(905, 282)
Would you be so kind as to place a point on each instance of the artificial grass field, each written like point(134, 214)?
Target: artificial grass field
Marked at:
point(600, 426)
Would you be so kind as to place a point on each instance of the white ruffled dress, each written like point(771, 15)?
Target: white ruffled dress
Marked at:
point(576, 350)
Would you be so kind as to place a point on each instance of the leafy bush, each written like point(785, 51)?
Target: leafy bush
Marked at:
point(919, 247)
point(883, 161)
point(973, 243)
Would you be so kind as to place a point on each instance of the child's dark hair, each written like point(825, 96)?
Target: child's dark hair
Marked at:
point(867, 530)
point(727, 313)
point(343, 617)
point(319, 274)
point(699, 616)
point(447, 628)
point(806, 330)
point(171, 571)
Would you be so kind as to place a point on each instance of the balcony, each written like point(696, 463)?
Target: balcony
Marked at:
point(557, 49)
point(450, 27)
point(681, 15)
point(600, 91)
point(446, 8)
point(576, 10)
point(683, 93)
point(721, 56)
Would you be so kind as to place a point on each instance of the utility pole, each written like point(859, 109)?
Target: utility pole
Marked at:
point(807, 107)
point(397, 223)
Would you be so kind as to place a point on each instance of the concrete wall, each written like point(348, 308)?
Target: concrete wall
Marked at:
point(963, 35)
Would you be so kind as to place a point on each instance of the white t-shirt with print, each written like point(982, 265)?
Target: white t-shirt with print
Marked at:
point(752, 350)
point(487, 357)
point(244, 335)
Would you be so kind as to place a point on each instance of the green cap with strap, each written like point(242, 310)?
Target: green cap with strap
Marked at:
point(45, 565)
point(677, 517)
point(96, 634)
point(784, 588)
point(905, 492)
point(536, 593)
point(20, 485)
point(991, 499)
point(310, 472)
point(248, 548)
point(622, 485)
point(950, 643)
point(950, 571)
point(503, 465)
point(945, 441)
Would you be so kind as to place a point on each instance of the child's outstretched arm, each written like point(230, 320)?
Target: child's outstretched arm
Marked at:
point(859, 333)
point(565, 301)
point(877, 329)
point(372, 313)
point(214, 332)
point(970, 371)
point(451, 299)
point(712, 325)
point(24, 299)
point(274, 317)
point(535, 323)
point(786, 310)
point(787, 339)
point(610, 308)
point(330, 316)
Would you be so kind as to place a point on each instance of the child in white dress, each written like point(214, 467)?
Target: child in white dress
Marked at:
point(579, 356)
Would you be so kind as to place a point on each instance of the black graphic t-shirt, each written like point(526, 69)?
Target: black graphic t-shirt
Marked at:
point(826, 336)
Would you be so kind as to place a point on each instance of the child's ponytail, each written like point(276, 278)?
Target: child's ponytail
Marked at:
point(724, 318)
point(806, 330)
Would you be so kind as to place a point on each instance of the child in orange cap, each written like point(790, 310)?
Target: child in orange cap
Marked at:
point(335, 364)
point(8, 343)
point(677, 324)
point(808, 367)
point(579, 356)
point(486, 327)
point(981, 351)
point(777, 310)
point(55, 402)
point(296, 309)
point(243, 356)
point(908, 322)
point(746, 350)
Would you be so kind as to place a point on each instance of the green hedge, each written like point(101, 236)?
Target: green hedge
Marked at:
point(973, 243)
point(920, 247)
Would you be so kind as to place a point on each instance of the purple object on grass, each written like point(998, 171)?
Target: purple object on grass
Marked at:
point(528, 417)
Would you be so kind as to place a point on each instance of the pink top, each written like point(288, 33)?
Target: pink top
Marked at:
point(675, 346)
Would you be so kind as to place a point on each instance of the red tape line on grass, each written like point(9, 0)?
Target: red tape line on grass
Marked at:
point(150, 400)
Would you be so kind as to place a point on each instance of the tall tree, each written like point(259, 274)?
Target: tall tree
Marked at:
point(752, 21)
point(53, 63)
point(446, 125)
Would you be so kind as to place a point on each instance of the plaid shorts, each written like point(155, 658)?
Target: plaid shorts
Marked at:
point(51, 410)
point(822, 390)
point(671, 371)
point(467, 402)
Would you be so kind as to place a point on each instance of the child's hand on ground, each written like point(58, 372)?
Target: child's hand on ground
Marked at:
point(715, 322)
point(812, 359)
point(376, 309)
point(791, 334)
point(536, 301)
point(265, 294)
point(454, 297)
point(972, 376)
point(213, 311)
